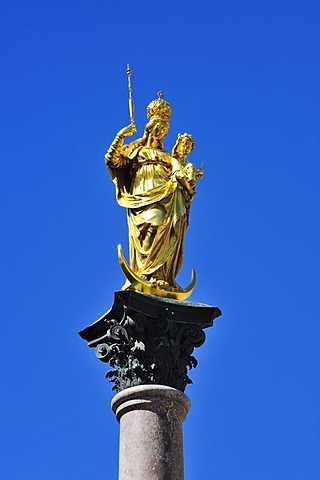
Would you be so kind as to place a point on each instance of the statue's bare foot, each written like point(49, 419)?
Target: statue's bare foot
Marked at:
point(162, 283)
point(158, 282)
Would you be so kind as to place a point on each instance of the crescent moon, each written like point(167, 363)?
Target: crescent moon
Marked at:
point(144, 286)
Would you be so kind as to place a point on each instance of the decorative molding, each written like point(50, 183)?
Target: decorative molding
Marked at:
point(149, 340)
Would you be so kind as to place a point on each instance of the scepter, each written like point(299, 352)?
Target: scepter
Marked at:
point(131, 109)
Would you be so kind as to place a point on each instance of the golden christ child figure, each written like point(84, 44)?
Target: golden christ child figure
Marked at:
point(156, 188)
point(186, 172)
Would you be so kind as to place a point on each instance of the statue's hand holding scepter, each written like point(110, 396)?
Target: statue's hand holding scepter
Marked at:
point(111, 155)
point(130, 129)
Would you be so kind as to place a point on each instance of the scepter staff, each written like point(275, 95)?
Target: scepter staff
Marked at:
point(131, 109)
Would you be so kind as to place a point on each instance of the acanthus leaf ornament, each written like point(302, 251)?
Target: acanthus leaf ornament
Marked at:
point(148, 340)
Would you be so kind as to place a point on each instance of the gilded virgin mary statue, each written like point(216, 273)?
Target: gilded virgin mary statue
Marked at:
point(157, 189)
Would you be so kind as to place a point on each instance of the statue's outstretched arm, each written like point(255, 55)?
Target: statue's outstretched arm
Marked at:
point(112, 155)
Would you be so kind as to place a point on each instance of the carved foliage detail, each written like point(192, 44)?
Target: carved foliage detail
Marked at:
point(142, 349)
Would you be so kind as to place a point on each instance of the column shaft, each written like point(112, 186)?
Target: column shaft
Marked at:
point(151, 418)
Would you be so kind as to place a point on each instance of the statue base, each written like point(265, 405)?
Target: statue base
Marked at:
point(148, 339)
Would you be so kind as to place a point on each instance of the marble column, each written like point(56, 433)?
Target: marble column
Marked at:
point(151, 418)
point(149, 344)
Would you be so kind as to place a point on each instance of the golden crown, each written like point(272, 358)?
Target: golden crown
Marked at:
point(159, 108)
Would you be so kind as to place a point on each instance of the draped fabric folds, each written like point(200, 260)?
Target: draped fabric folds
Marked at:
point(147, 188)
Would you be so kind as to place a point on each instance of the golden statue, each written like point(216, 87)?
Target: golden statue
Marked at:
point(157, 189)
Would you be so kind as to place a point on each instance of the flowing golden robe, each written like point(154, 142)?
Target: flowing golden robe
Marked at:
point(147, 188)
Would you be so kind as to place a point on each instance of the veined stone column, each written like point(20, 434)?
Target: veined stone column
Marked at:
point(149, 342)
point(151, 418)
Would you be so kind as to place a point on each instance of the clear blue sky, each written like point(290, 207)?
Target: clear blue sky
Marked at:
point(243, 78)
